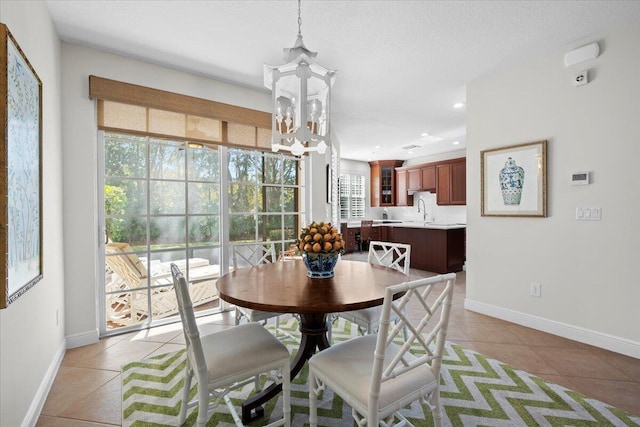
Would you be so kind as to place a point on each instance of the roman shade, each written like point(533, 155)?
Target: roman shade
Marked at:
point(125, 107)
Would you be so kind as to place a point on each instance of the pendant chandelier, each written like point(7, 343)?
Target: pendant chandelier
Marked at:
point(301, 95)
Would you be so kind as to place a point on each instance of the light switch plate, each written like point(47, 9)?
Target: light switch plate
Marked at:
point(588, 214)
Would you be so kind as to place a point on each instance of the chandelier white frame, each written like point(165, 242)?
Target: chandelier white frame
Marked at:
point(301, 94)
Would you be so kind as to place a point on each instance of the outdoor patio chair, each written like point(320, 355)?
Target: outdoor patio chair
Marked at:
point(378, 375)
point(128, 279)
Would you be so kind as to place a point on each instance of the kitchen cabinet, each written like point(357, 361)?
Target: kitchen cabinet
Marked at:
point(375, 233)
point(422, 178)
point(451, 182)
point(436, 250)
point(378, 233)
point(383, 182)
point(402, 197)
point(349, 237)
point(428, 178)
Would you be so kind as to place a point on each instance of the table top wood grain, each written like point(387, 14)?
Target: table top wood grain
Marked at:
point(283, 287)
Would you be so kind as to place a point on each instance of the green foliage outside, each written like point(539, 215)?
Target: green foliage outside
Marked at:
point(148, 176)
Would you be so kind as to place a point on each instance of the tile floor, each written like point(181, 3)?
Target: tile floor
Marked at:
point(86, 391)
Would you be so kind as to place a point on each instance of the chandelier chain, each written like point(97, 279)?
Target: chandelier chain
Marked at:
point(299, 20)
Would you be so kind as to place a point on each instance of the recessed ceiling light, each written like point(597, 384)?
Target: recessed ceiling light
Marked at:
point(456, 142)
point(458, 105)
point(378, 146)
point(410, 151)
point(424, 134)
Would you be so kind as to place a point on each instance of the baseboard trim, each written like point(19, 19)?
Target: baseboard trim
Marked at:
point(572, 332)
point(31, 418)
point(82, 339)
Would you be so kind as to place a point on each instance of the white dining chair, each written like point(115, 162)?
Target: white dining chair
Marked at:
point(392, 255)
point(224, 361)
point(378, 375)
point(250, 255)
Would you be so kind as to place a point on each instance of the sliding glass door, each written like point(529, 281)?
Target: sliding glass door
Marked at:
point(161, 206)
point(162, 203)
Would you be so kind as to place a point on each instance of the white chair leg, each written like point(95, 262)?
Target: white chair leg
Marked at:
point(437, 407)
point(185, 395)
point(277, 325)
point(203, 405)
point(313, 401)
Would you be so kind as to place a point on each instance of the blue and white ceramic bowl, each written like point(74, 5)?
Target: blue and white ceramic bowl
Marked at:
point(319, 265)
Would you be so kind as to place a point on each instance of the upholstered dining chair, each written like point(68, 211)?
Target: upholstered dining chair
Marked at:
point(362, 238)
point(250, 255)
point(377, 375)
point(392, 255)
point(226, 360)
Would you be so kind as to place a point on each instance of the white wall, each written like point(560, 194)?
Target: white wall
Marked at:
point(587, 269)
point(31, 342)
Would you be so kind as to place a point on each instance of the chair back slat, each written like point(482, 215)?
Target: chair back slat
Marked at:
point(252, 254)
point(427, 335)
point(189, 325)
point(392, 255)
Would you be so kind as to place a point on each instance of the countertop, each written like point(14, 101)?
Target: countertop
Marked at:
point(411, 224)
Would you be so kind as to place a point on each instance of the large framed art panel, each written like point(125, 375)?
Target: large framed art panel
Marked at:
point(514, 180)
point(20, 171)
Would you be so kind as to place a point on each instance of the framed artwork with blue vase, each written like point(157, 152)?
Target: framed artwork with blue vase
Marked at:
point(514, 180)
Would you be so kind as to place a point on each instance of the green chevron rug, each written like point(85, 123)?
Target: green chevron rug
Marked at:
point(475, 391)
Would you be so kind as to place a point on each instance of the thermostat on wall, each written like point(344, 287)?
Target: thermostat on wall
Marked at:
point(580, 178)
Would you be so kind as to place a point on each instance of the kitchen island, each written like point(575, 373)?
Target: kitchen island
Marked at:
point(435, 247)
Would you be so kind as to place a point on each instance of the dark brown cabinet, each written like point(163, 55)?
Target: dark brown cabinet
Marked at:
point(451, 183)
point(383, 182)
point(437, 250)
point(349, 237)
point(415, 179)
point(422, 178)
point(428, 178)
point(402, 197)
point(378, 233)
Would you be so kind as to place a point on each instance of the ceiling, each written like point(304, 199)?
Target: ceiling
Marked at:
point(401, 64)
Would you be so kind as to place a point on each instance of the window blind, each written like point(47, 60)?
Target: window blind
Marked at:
point(133, 108)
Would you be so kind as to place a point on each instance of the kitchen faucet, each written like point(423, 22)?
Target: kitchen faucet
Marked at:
point(424, 210)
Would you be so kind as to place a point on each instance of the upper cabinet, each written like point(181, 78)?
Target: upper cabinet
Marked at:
point(394, 185)
point(451, 182)
point(422, 178)
point(402, 196)
point(383, 182)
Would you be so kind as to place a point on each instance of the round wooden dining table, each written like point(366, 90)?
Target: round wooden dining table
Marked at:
point(283, 287)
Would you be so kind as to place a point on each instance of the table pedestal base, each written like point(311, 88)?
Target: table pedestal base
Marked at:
point(313, 330)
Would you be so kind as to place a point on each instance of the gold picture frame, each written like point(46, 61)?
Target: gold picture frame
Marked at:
point(514, 180)
point(20, 171)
